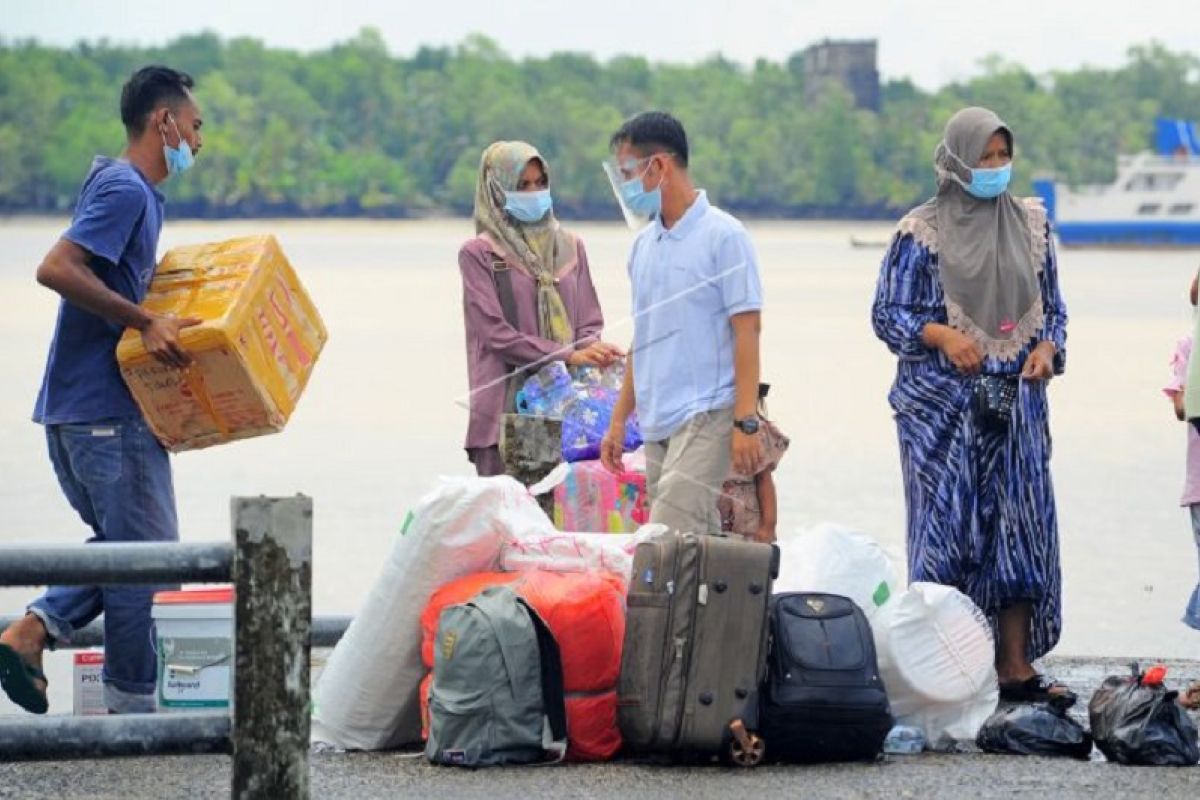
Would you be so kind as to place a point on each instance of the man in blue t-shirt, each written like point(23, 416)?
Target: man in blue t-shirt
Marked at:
point(693, 371)
point(112, 470)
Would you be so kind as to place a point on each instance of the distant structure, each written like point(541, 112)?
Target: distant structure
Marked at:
point(849, 64)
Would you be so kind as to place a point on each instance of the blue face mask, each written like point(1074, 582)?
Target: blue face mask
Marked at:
point(528, 206)
point(179, 159)
point(639, 200)
point(989, 183)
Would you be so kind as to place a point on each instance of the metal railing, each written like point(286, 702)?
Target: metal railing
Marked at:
point(326, 632)
point(269, 562)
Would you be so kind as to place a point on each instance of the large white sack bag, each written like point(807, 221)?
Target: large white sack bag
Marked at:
point(576, 552)
point(367, 696)
point(937, 659)
point(834, 559)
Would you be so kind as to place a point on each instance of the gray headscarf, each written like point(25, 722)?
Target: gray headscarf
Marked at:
point(985, 258)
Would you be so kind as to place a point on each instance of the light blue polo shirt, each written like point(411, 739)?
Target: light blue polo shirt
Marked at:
point(688, 280)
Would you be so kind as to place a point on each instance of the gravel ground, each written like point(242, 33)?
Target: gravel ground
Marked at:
point(363, 776)
point(391, 775)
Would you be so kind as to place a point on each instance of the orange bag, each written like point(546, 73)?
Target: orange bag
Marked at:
point(586, 613)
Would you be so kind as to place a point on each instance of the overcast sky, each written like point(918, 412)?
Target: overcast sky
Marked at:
point(931, 41)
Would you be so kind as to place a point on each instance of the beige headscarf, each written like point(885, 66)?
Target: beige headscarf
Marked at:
point(543, 249)
point(988, 250)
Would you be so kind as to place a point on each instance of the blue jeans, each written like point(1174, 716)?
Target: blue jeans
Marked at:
point(1191, 616)
point(118, 477)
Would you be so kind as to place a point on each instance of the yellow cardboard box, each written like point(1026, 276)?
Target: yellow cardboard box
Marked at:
point(253, 353)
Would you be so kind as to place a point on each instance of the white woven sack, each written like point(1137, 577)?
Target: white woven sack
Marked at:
point(367, 696)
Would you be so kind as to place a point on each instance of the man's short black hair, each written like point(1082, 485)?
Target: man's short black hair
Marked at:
point(653, 132)
point(146, 89)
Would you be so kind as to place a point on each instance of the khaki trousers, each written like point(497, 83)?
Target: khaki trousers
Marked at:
point(685, 473)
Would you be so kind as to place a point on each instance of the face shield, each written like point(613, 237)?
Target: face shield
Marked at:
point(639, 205)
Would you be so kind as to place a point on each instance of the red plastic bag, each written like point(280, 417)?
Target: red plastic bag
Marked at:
point(586, 613)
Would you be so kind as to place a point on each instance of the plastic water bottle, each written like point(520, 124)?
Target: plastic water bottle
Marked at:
point(904, 740)
point(546, 392)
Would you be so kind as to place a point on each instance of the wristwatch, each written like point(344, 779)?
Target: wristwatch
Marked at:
point(748, 426)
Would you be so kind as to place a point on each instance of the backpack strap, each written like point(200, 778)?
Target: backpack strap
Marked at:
point(502, 277)
point(553, 692)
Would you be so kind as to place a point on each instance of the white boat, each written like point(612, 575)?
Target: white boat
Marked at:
point(1154, 201)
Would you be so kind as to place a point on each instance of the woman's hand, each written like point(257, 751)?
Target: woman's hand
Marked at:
point(1039, 365)
point(963, 351)
point(596, 354)
point(586, 357)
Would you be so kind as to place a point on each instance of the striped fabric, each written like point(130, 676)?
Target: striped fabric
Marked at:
point(981, 514)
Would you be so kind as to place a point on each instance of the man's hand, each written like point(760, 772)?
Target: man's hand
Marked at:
point(747, 453)
point(1039, 364)
point(765, 534)
point(612, 447)
point(161, 340)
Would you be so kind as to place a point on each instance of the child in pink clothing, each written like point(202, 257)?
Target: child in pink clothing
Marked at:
point(748, 505)
point(1191, 487)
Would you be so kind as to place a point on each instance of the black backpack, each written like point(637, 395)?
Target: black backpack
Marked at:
point(823, 699)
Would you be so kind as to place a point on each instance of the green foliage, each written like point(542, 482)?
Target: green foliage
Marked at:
point(356, 130)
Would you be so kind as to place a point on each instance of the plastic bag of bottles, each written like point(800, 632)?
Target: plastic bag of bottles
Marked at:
point(583, 398)
point(586, 417)
point(547, 392)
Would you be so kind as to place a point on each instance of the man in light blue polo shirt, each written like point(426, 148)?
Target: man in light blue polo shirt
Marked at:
point(693, 370)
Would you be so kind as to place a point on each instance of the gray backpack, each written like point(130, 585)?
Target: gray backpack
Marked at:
point(497, 694)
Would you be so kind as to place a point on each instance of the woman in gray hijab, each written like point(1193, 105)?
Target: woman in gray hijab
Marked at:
point(968, 300)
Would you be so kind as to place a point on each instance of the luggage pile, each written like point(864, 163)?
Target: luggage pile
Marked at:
point(493, 639)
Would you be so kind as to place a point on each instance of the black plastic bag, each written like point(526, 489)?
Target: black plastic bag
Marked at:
point(1137, 721)
point(1041, 729)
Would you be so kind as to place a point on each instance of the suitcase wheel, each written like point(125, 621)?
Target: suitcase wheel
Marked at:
point(747, 748)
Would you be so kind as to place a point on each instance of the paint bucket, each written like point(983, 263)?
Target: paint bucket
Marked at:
point(194, 643)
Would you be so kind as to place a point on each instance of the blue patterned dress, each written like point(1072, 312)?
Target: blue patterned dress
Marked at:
point(981, 514)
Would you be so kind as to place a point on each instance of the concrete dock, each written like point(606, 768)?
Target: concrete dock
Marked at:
point(395, 775)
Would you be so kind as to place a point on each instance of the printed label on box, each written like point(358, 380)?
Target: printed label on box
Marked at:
point(87, 693)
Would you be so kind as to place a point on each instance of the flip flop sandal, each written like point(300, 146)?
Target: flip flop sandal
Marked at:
point(1038, 689)
point(17, 677)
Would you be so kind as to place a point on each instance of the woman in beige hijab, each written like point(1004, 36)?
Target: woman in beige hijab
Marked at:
point(528, 297)
point(968, 300)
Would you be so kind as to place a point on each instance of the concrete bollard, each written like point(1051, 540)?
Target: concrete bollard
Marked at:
point(272, 574)
point(531, 447)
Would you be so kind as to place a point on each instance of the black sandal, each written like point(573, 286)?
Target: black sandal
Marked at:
point(1038, 689)
point(17, 676)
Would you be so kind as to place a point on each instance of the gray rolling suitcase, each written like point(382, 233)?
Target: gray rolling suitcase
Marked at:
point(695, 646)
